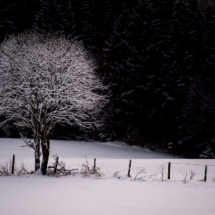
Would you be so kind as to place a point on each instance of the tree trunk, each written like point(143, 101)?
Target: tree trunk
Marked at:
point(37, 157)
point(37, 141)
point(45, 151)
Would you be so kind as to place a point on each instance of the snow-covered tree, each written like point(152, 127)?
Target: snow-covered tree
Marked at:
point(46, 80)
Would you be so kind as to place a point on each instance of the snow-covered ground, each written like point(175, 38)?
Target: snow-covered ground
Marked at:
point(109, 195)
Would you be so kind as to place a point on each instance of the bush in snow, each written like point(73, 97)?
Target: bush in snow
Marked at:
point(86, 170)
point(6, 169)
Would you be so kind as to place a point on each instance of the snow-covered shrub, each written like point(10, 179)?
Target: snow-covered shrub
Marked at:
point(86, 170)
point(192, 174)
point(59, 168)
point(184, 177)
point(6, 169)
point(140, 174)
point(23, 170)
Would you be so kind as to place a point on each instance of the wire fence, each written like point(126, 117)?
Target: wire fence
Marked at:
point(175, 171)
point(167, 171)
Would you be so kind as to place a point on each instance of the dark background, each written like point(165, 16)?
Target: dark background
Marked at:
point(157, 56)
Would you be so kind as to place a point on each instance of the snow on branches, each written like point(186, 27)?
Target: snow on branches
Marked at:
point(45, 80)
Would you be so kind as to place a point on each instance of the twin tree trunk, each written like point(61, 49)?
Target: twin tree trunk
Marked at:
point(44, 143)
point(45, 152)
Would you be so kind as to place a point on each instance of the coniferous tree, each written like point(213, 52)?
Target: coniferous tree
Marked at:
point(126, 54)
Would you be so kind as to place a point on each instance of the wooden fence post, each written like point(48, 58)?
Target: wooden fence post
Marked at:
point(129, 169)
point(94, 168)
point(169, 166)
point(205, 178)
point(13, 164)
point(56, 163)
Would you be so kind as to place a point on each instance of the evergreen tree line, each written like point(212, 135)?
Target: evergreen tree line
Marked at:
point(157, 56)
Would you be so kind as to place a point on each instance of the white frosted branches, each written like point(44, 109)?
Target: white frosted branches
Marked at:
point(46, 80)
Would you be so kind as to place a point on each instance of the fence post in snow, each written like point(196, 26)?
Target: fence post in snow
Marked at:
point(169, 166)
point(94, 168)
point(205, 178)
point(129, 169)
point(56, 163)
point(13, 164)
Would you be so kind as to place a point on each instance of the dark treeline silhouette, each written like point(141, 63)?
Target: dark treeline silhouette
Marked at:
point(157, 56)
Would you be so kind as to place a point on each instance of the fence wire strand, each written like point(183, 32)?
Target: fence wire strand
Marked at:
point(134, 168)
point(193, 164)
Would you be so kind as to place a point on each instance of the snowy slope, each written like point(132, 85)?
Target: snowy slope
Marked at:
point(78, 149)
point(110, 195)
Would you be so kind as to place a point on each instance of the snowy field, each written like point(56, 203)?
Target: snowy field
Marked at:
point(109, 195)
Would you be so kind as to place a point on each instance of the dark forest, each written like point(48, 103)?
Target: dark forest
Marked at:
point(156, 56)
